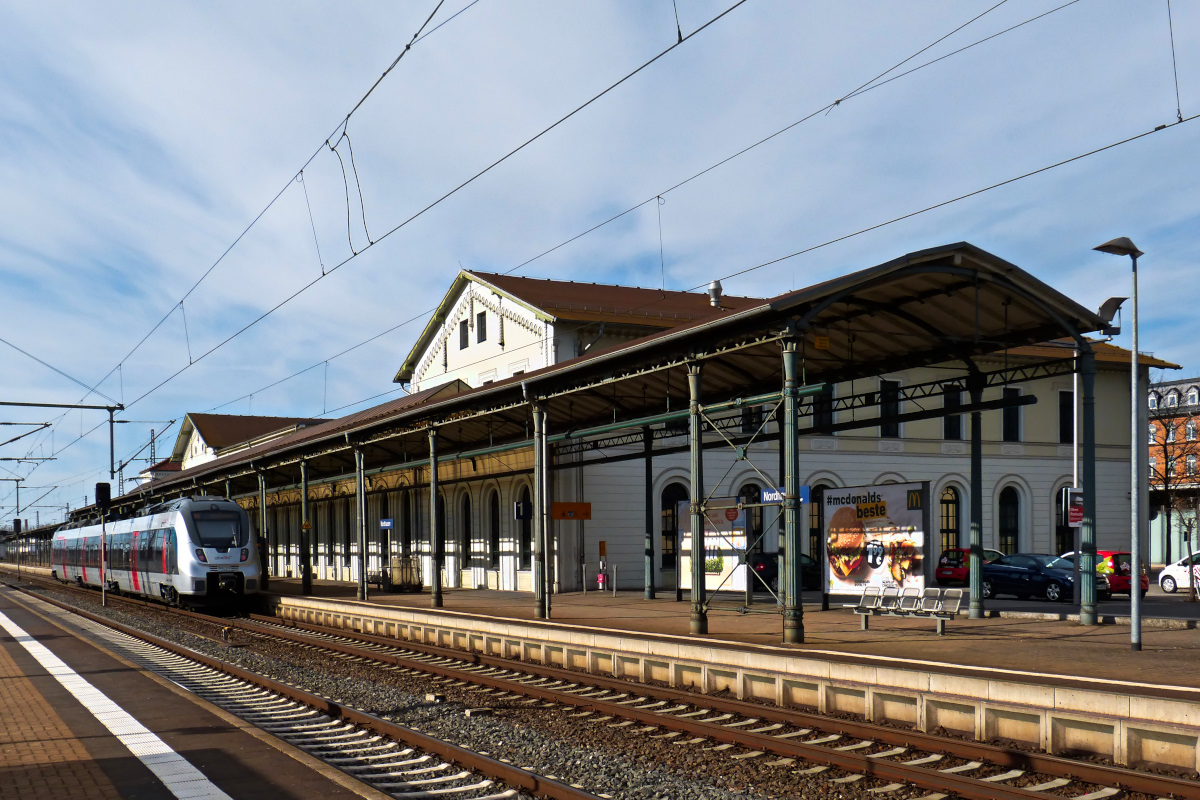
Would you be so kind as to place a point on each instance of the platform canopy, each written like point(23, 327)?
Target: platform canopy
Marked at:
point(942, 305)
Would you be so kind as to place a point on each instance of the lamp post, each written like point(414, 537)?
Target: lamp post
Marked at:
point(1122, 246)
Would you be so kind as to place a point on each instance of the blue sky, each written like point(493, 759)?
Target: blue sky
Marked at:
point(139, 139)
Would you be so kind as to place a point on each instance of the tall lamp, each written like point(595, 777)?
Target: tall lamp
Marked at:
point(1122, 246)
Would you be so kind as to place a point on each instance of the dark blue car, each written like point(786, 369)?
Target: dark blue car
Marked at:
point(1033, 574)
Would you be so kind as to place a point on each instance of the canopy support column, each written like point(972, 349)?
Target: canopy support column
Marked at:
point(793, 599)
point(436, 554)
point(648, 451)
point(360, 516)
point(975, 560)
point(1087, 567)
point(305, 534)
point(540, 562)
point(699, 617)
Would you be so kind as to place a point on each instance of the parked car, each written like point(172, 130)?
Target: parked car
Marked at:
point(766, 567)
point(955, 564)
point(1175, 576)
point(1117, 565)
point(1028, 574)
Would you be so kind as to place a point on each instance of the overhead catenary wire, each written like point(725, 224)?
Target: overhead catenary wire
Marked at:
point(1174, 63)
point(442, 198)
point(874, 83)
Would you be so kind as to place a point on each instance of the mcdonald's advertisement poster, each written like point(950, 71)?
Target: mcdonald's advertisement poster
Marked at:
point(875, 536)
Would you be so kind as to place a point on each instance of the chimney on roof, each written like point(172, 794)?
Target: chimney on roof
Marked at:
point(714, 294)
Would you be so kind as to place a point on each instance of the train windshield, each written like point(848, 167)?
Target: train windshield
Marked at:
point(219, 528)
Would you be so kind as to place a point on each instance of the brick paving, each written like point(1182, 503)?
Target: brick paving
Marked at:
point(39, 755)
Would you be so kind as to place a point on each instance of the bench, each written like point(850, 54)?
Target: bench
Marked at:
point(380, 579)
point(939, 604)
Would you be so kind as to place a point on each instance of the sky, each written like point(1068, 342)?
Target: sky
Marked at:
point(172, 172)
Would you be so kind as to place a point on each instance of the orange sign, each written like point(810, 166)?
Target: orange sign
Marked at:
point(570, 511)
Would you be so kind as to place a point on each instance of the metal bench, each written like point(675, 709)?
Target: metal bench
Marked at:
point(380, 579)
point(947, 609)
point(908, 603)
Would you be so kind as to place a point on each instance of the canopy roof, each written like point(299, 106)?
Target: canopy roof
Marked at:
point(945, 304)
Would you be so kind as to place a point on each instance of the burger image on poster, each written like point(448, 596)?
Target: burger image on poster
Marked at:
point(846, 543)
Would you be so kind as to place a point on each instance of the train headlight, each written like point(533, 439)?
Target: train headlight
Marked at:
point(200, 555)
point(245, 554)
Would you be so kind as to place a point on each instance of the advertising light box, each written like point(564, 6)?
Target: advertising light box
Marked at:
point(875, 536)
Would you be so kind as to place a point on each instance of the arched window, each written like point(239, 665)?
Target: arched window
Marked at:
point(1191, 466)
point(526, 531)
point(350, 533)
point(672, 496)
point(468, 541)
point(440, 528)
point(816, 520)
point(1171, 430)
point(1010, 515)
point(406, 524)
point(751, 493)
point(1153, 434)
point(1064, 534)
point(385, 536)
point(948, 513)
point(494, 528)
point(1189, 430)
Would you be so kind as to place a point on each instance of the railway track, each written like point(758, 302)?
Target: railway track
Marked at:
point(873, 760)
point(809, 744)
point(388, 757)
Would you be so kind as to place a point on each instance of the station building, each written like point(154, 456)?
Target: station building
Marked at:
point(900, 358)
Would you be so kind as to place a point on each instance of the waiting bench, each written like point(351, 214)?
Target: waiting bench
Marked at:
point(938, 604)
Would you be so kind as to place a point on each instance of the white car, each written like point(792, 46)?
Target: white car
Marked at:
point(1175, 576)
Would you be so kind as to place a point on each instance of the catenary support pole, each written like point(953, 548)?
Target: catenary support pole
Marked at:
point(305, 534)
point(360, 521)
point(435, 526)
point(699, 615)
point(1087, 594)
point(793, 605)
point(648, 560)
point(539, 519)
point(975, 560)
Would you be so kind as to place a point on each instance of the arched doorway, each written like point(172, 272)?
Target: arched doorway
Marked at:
point(672, 495)
point(1009, 513)
point(949, 519)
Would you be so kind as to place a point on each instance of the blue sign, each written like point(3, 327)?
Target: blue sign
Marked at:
point(775, 496)
point(385, 525)
point(522, 510)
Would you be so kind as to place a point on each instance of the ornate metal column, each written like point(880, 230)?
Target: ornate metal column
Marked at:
point(305, 534)
point(793, 599)
point(436, 555)
point(699, 618)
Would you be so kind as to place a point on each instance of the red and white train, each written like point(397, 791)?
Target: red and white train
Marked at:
point(188, 551)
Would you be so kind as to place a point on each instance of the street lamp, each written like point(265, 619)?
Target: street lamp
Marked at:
point(1122, 246)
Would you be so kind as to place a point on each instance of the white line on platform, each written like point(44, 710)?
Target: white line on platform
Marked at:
point(177, 774)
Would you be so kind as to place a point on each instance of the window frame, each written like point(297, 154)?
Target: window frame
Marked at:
point(464, 334)
point(481, 327)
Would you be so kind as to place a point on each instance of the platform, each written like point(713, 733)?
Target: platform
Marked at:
point(79, 722)
point(1024, 636)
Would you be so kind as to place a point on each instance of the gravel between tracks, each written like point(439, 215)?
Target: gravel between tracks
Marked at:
point(600, 758)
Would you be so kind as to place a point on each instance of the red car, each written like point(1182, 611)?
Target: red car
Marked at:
point(1117, 565)
point(954, 564)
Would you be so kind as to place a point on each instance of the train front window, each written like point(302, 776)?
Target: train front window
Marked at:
point(219, 528)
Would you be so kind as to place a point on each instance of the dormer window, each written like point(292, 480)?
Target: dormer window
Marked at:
point(1172, 400)
point(1193, 396)
point(1154, 401)
point(464, 335)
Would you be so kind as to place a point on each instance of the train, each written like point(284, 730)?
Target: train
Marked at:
point(190, 551)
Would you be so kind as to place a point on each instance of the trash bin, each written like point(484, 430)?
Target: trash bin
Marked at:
point(405, 574)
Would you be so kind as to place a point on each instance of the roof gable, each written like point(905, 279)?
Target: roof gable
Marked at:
point(557, 301)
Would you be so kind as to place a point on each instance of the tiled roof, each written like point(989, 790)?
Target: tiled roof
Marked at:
point(223, 430)
point(598, 302)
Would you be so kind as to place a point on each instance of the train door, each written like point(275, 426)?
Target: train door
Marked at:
point(145, 561)
point(135, 562)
